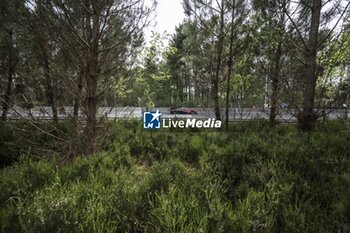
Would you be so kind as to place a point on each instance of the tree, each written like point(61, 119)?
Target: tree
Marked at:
point(45, 47)
point(271, 21)
point(237, 17)
point(104, 32)
point(312, 40)
point(212, 18)
point(8, 26)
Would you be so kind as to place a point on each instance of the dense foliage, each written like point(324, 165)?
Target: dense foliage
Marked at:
point(253, 178)
point(65, 168)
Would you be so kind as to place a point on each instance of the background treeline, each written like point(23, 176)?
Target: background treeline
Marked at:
point(60, 53)
point(235, 53)
point(255, 53)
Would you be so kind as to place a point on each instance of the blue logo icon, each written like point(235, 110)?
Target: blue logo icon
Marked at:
point(151, 120)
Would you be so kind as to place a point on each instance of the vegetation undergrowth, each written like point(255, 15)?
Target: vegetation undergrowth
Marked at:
point(253, 178)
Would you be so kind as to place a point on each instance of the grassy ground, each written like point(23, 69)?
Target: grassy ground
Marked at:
point(252, 179)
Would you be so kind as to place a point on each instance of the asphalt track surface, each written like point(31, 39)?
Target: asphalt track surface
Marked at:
point(115, 113)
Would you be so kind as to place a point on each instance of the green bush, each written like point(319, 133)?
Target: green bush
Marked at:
point(254, 178)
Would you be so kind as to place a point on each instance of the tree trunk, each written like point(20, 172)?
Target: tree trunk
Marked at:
point(216, 100)
point(91, 106)
point(77, 95)
point(307, 117)
point(230, 65)
point(215, 81)
point(7, 97)
point(277, 69)
point(91, 84)
point(347, 97)
point(274, 99)
point(45, 64)
point(11, 67)
point(189, 90)
point(50, 89)
point(181, 89)
point(275, 83)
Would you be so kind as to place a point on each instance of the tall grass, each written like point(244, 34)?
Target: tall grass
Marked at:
point(253, 178)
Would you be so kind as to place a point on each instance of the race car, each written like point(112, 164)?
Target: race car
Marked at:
point(182, 111)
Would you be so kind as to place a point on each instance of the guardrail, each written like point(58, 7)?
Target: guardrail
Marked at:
point(116, 113)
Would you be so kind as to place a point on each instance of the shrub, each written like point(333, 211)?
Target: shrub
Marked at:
point(248, 180)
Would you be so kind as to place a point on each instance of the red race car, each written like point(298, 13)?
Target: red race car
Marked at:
point(182, 111)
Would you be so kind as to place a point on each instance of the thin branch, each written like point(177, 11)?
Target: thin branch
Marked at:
point(296, 28)
point(329, 34)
